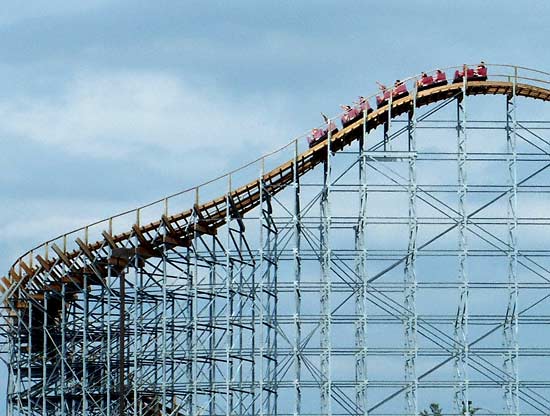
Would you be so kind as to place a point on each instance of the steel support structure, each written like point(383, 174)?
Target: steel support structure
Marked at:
point(410, 283)
point(339, 294)
point(461, 338)
point(325, 314)
point(511, 322)
point(296, 252)
point(268, 300)
point(361, 374)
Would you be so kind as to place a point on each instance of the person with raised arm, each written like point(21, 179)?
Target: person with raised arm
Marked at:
point(382, 100)
point(350, 115)
point(364, 105)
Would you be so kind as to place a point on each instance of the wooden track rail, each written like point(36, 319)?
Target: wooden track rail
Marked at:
point(47, 275)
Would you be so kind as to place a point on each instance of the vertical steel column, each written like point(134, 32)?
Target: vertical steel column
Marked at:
point(361, 375)
point(136, 334)
point(20, 309)
point(44, 353)
point(511, 323)
point(297, 289)
point(29, 358)
point(213, 325)
point(410, 283)
point(21, 326)
point(241, 397)
point(194, 312)
point(269, 296)
point(12, 355)
point(109, 337)
point(85, 304)
point(273, 314)
point(253, 340)
point(190, 324)
point(102, 352)
point(461, 353)
point(325, 289)
point(143, 327)
point(387, 124)
point(261, 290)
point(122, 345)
point(164, 328)
point(63, 346)
point(229, 292)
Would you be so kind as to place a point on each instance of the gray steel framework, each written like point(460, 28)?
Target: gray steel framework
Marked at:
point(388, 279)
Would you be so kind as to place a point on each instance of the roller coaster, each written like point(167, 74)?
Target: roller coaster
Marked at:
point(383, 268)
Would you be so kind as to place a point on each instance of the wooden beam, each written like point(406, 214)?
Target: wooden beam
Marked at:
point(197, 210)
point(27, 269)
point(168, 225)
point(168, 239)
point(236, 213)
point(122, 253)
point(74, 279)
point(84, 247)
point(118, 262)
point(203, 229)
point(61, 255)
point(53, 287)
point(45, 265)
point(15, 277)
point(147, 251)
point(21, 304)
point(109, 238)
point(141, 238)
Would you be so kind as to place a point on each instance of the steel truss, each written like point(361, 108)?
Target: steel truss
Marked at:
point(385, 281)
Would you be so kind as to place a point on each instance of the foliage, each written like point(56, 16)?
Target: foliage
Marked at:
point(435, 410)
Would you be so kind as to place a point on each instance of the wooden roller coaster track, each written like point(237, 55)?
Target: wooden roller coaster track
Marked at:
point(205, 218)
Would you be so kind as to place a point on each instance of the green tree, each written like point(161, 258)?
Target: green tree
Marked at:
point(471, 410)
point(435, 410)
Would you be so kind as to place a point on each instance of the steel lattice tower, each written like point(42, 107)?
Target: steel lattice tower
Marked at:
point(401, 261)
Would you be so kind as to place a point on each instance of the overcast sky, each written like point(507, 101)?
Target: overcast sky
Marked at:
point(106, 105)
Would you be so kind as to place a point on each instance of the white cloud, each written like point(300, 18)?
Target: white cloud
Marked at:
point(122, 114)
point(150, 119)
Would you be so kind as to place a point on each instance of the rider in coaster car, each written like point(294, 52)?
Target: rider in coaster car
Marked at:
point(318, 135)
point(440, 77)
point(424, 81)
point(364, 104)
point(382, 100)
point(330, 125)
point(400, 89)
point(481, 70)
point(349, 115)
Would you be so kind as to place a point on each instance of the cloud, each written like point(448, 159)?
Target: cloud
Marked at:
point(101, 129)
point(34, 220)
point(118, 115)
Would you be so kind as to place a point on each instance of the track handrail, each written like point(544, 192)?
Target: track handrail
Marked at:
point(517, 73)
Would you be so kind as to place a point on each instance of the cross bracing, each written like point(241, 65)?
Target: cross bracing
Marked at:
point(381, 270)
